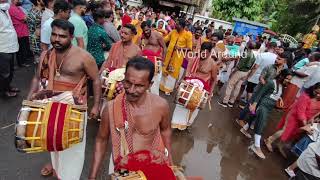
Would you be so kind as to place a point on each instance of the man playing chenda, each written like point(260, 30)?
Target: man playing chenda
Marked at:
point(138, 127)
point(62, 69)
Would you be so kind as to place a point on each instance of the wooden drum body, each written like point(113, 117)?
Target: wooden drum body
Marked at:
point(191, 96)
point(50, 126)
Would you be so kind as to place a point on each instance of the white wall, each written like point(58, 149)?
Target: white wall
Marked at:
point(134, 3)
point(217, 22)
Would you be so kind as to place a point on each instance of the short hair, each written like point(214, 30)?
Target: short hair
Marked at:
point(182, 22)
point(45, 2)
point(61, 5)
point(63, 24)
point(108, 13)
point(35, 2)
point(286, 55)
point(76, 3)
point(145, 24)
point(208, 31)
point(316, 56)
point(100, 13)
point(132, 28)
point(198, 29)
point(141, 13)
point(273, 45)
point(206, 46)
point(93, 6)
point(140, 63)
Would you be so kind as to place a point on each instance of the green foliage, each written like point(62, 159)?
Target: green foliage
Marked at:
point(284, 16)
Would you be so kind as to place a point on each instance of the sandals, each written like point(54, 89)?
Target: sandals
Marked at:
point(47, 170)
point(10, 94)
point(268, 144)
point(258, 153)
point(244, 132)
point(14, 89)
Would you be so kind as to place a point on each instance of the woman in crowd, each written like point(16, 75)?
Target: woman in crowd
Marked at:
point(302, 112)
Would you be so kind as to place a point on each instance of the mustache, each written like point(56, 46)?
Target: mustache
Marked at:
point(131, 94)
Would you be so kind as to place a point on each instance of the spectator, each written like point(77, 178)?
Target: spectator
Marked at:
point(98, 40)
point(110, 28)
point(61, 10)
point(91, 7)
point(48, 11)
point(8, 47)
point(34, 24)
point(19, 22)
point(80, 28)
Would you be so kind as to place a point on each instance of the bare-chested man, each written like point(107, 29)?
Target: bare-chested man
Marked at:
point(146, 125)
point(154, 48)
point(66, 68)
point(123, 50)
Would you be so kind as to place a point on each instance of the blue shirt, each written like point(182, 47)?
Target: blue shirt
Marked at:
point(301, 63)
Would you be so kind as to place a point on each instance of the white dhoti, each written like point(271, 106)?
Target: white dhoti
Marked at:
point(68, 164)
point(182, 118)
point(167, 84)
point(155, 88)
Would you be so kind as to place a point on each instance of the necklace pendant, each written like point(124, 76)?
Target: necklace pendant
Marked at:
point(58, 73)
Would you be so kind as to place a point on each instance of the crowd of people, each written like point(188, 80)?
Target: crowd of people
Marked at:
point(73, 43)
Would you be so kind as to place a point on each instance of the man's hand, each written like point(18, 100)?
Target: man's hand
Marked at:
point(308, 129)
point(253, 107)
point(94, 112)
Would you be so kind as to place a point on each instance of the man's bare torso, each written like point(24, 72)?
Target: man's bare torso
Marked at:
point(152, 42)
point(72, 67)
point(145, 122)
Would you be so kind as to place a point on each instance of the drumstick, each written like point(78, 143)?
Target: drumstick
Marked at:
point(209, 105)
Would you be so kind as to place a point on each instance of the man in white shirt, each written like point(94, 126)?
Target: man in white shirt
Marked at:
point(48, 12)
point(314, 77)
point(302, 76)
point(262, 60)
point(61, 11)
point(309, 163)
point(8, 47)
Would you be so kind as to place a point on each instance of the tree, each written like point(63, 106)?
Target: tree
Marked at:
point(247, 9)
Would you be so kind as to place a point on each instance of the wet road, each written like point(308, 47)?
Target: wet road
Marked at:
point(216, 153)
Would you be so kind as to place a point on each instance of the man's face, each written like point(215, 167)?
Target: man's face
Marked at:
point(198, 34)
point(209, 34)
point(126, 34)
point(140, 17)
point(147, 31)
point(16, 2)
point(287, 80)
point(41, 3)
point(136, 83)
point(160, 25)
point(214, 40)
point(230, 41)
point(82, 10)
point(60, 39)
point(279, 50)
point(65, 14)
point(280, 61)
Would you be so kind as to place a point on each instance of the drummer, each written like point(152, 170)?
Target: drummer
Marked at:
point(66, 68)
point(202, 68)
point(122, 50)
point(148, 125)
point(153, 46)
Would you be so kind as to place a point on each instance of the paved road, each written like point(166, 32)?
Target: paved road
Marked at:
point(217, 153)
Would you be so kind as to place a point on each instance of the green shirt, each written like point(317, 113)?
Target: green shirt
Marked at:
point(98, 42)
point(245, 64)
point(80, 29)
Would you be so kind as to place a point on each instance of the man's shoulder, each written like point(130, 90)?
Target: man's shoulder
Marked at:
point(82, 53)
point(161, 103)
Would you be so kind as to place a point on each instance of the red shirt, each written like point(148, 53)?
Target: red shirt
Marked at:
point(18, 18)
